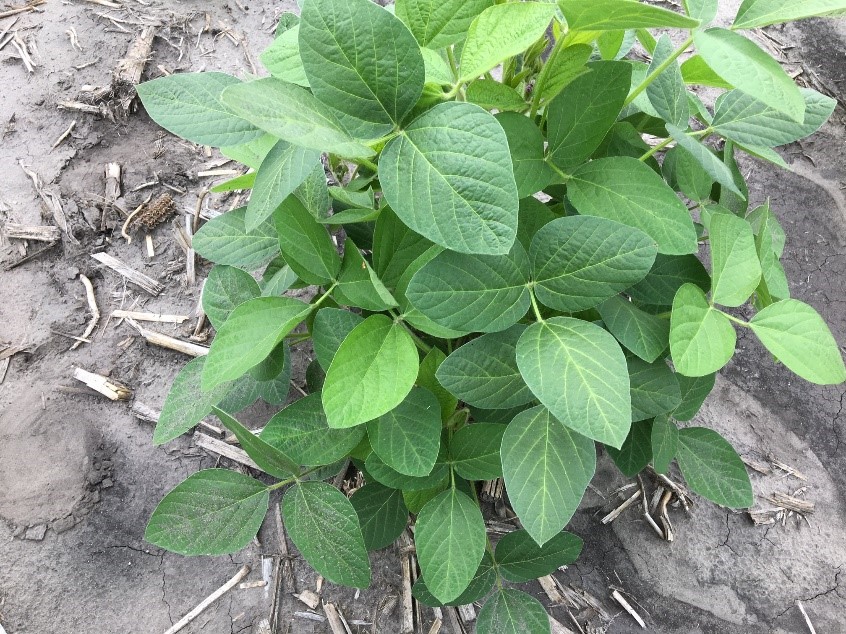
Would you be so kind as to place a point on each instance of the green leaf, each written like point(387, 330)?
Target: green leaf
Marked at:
point(225, 240)
point(714, 167)
point(636, 452)
point(713, 469)
point(684, 173)
point(450, 539)
point(301, 431)
point(427, 377)
point(358, 284)
point(745, 119)
point(799, 338)
point(520, 559)
point(239, 183)
point(350, 216)
point(644, 334)
point(611, 15)
point(696, 72)
point(500, 32)
point(382, 514)
point(626, 190)
point(282, 58)
point(735, 267)
point(483, 372)
point(439, 23)
point(769, 242)
point(533, 215)
point(475, 451)
point(562, 66)
point(484, 293)
point(293, 114)
point(189, 105)
point(251, 153)
point(408, 438)
point(578, 371)
point(703, 10)
point(225, 289)
point(755, 13)
point(665, 442)
point(325, 529)
point(742, 63)
point(306, 245)
point(667, 276)
point(579, 261)
point(314, 194)
point(251, 333)
point(372, 372)
point(546, 468)
point(655, 389)
point(694, 391)
point(363, 61)
point(702, 339)
point(284, 169)
point(667, 92)
point(512, 612)
point(331, 326)
point(213, 512)
point(437, 69)
point(382, 473)
point(492, 95)
point(424, 175)
point(278, 281)
point(273, 364)
point(395, 247)
point(526, 142)
point(416, 500)
point(583, 112)
point(479, 587)
point(270, 459)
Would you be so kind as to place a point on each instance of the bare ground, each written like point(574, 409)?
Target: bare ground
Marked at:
point(79, 475)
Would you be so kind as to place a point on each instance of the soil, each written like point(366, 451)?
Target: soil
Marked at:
point(79, 475)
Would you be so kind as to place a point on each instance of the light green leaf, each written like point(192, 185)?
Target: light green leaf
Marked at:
point(696, 72)
point(547, 468)
point(744, 64)
point(213, 512)
point(636, 452)
point(667, 92)
point(578, 371)
point(703, 10)
point(301, 431)
point(284, 169)
point(624, 189)
point(437, 69)
point(277, 281)
point(744, 119)
point(225, 240)
point(293, 114)
point(478, 589)
point(735, 267)
point(450, 539)
point(439, 23)
point(500, 32)
point(755, 13)
point(350, 216)
point(583, 112)
point(484, 373)
point(225, 289)
point(485, 293)
point(282, 58)
point(611, 15)
point(189, 105)
point(372, 372)
point(424, 175)
point(492, 95)
point(325, 529)
point(768, 241)
point(579, 261)
point(562, 67)
point(358, 284)
point(526, 142)
point(665, 442)
point(694, 391)
point(520, 559)
point(715, 168)
point(512, 612)
point(270, 459)
point(331, 326)
point(799, 338)
point(408, 438)
point(713, 469)
point(702, 339)
point(644, 334)
point(655, 389)
point(239, 183)
point(475, 451)
point(363, 61)
point(668, 274)
point(305, 244)
point(395, 247)
point(251, 333)
point(427, 377)
point(251, 153)
point(382, 514)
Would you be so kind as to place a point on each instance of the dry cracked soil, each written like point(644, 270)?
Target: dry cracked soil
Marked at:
point(79, 475)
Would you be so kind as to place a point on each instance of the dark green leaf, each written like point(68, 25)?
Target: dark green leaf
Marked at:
point(427, 377)
point(713, 469)
point(306, 244)
point(636, 452)
point(225, 289)
point(475, 451)
point(655, 389)
point(492, 95)
point(520, 559)
point(667, 92)
point(562, 66)
point(712, 165)
point(512, 612)
point(667, 276)
point(358, 284)
point(644, 334)
point(439, 23)
point(526, 142)
point(694, 391)
point(382, 514)
point(384, 474)
point(479, 587)
point(664, 441)
point(331, 326)
point(395, 247)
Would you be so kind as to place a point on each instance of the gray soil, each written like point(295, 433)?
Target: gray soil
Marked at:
point(79, 475)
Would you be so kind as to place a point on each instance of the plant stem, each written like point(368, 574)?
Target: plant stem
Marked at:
point(368, 164)
point(287, 481)
point(324, 296)
point(661, 68)
point(535, 306)
point(557, 170)
point(745, 324)
point(452, 65)
point(539, 84)
point(424, 347)
point(698, 134)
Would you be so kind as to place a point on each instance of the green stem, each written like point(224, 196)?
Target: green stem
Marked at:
point(424, 347)
point(698, 134)
point(535, 306)
point(740, 322)
point(288, 481)
point(452, 65)
point(660, 69)
point(368, 164)
point(557, 170)
point(539, 84)
point(325, 295)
